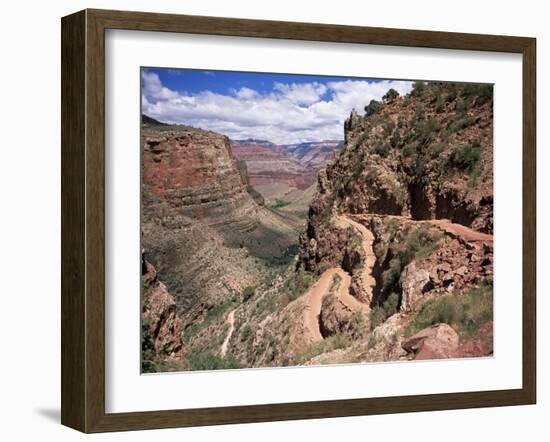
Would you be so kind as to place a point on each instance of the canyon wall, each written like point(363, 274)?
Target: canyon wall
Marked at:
point(425, 156)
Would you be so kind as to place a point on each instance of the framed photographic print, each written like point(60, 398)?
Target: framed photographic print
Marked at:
point(269, 220)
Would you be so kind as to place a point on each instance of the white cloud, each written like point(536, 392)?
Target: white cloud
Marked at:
point(153, 88)
point(246, 93)
point(301, 94)
point(291, 113)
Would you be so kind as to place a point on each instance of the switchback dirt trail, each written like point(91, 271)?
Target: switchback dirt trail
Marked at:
point(314, 297)
point(366, 279)
point(231, 321)
point(459, 231)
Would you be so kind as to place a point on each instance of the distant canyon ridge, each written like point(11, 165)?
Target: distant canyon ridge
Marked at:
point(278, 170)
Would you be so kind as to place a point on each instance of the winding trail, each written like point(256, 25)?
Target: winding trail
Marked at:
point(231, 321)
point(366, 281)
point(463, 232)
point(456, 230)
point(314, 300)
point(314, 297)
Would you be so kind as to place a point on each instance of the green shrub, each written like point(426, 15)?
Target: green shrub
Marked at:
point(408, 150)
point(376, 317)
point(418, 88)
point(248, 292)
point(388, 128)
point(461, 124)
point(425, 130)
point(298, 284)
point(152, 360)
point(451, 94)
point(391, 304)
point(279, 203)
point(379, 250)
point(246, 333)
point(357, 325)
point(213, 314)
point(395, 139)
point(436, 149)
point(391, 95)
point(334, 342)
point(467, 310)
point(380, 313)
point(419, 113)
point(466, 157)
point(362, 139)
point(373, 107)
point(485, 94)
point(460, 106)
point(411, 244)
point(476, 91)
point(197, 360)
point(382, 149)
point(391, 275)
point(440, 104)
point(149, 356)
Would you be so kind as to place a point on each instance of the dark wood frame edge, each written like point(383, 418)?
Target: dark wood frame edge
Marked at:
point(83, 235)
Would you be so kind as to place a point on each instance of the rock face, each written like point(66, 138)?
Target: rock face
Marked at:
point(415, 282)
point(269, 163)
point(437, 342)
point(416, 171)
point(160, 318)
point(204, 227)
point(426, 256)
point(314, 155)
point(196, 172)
point(288, 166)
point(426, 156)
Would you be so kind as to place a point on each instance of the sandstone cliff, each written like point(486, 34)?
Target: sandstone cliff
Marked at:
point(204, 227)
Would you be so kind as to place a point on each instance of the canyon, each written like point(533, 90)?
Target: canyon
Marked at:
point(285, 172)
point(382, 250)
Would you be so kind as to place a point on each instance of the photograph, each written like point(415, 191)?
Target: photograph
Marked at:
point(299, 220)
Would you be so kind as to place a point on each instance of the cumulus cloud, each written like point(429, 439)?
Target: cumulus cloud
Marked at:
point(290, 113)
point(153, 88)
point(301, 94)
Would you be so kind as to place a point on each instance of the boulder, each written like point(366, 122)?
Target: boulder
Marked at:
point(414, 282)
point(439, 341)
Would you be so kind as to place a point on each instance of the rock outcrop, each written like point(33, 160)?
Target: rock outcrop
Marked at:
point(196, 172)
point(428, 155)
point(437, 342)
point(204, 227)
point(162, 326)
point(416, 172)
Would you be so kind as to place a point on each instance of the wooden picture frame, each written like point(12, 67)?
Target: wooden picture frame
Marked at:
point(83, 220)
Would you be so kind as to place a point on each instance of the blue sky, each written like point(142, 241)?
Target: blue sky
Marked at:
point(277, 107)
